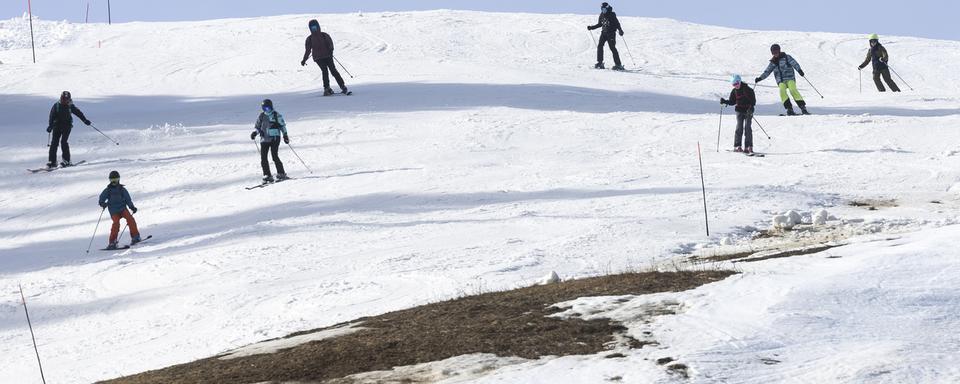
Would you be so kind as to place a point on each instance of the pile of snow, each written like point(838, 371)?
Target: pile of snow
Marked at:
point(15, 33)
point(551, 278)
point(790, 219)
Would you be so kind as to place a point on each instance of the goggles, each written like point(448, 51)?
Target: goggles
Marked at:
point(266, 108)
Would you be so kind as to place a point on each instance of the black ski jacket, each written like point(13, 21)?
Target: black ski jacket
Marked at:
point(744, 98)
point(609, 22)
point(61, 118)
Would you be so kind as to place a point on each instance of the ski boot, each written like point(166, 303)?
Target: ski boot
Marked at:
point(52, 164)
point(134, 240)
point(599, 65)
point(345, 91)
point(803, 107)
point(327, 92)
point(789, 107)
point(282, 177)
point(268, 179)
point(738, 149)
point(66, 163)
point(618, 68)
point(748, 150)
point(112, 246)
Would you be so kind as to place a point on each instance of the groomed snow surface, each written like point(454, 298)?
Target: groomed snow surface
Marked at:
point(480, 151)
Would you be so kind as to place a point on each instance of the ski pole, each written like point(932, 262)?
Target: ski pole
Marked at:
point(32, 336)
point(898, 76)
point(95, 230)
point(49, 139)
point(344, 68)
point(301, 159)
point(814, 88)
point(595, 44)
point(628, 50)
point(860, 74)
point(720, 126)
point(761, 128)
point(703, 185)
point(104, 134)
point(123, 231)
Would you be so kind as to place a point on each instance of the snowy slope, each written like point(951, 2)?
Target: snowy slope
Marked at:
point(479, 152)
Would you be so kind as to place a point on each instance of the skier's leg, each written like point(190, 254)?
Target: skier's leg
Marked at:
point(54, 144)
point(336, 74)
point(748, 130)
point(613, 49)
point(115, 228)
point(131, 222)
point(64, 145)
point(886, 77)
point(876, 80)
point(274, 149)
point(600, 49)
point(792, 85)
point(326, 74)
point(737, 142)
point(264, 164)
point(783, 92)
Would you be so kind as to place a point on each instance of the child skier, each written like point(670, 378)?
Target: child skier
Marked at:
point(743, 97)
point(608, 20)
point(116, 198)
point(270, 126)
point(61, 122)
point(783, 66)
point(321, 45)
point(879, 57)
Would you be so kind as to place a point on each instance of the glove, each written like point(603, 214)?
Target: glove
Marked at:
point(723, 101)
point(253, 135)
point(303, 63)
point(49, 129)
point(286, 139)
point(103, 205)
point(621, 33)
point(861, 67)
point(134, 209)
point(800, 71)
point(757, 80)
point(87, 122)
point(590, 28)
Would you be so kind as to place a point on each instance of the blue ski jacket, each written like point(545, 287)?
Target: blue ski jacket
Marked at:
point(783, 67)
point(116, 198)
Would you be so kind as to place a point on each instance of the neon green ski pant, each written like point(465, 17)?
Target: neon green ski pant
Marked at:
point(792, 86)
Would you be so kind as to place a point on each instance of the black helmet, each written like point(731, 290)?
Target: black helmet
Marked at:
point(65, 96)
point(314, 26)
point(775, 48)
point(114, 175)
point(266, 104)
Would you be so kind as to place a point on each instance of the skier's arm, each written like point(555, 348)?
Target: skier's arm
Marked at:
point(308, 47)
point(76, 111)
point(793, 63)
point(53, 117)
point(867, 60)
point(282, 123)
point(732, 100)
point(126, 196)
point(751, 98)
point(598, 25)
point(103, 198)
point(329, 42)
point(883, 55)
point(616, 22)
point(767, 73)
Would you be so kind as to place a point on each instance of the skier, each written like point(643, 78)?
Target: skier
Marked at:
point(270, 126)
point(116, 198)
point(321, 45)
point(879, 57)
point(783, 66)
point(610, 24)
point(61, 122)
point(743, 97)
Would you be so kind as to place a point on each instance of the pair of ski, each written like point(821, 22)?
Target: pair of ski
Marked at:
point(125, 247)
point(751, 154)
point(51, 169)
point(268, 183)
point(349, 93)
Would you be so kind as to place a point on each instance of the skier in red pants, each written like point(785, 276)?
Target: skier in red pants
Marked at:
point(116, 198)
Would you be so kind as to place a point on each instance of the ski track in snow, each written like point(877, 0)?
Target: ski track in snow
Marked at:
point(467, 161)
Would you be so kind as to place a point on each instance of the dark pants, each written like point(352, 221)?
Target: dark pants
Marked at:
point(272, 148)
point(328, 66)
point(886, 77)
point(744, 130)
point(60, 137)
point(610, 40)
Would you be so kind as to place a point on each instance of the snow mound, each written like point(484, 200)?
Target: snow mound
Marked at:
point(15, 33)
point(551, 278)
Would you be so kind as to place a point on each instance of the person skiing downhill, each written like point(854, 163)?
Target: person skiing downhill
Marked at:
point(785, 70)
point(745, 100)
point(60, 125)
point(608, 35)
point(116, 199)
point(270, 126)
point(321, 45)
point(879, 57)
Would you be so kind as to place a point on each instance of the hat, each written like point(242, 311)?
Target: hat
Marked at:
point(114, 175)
point(775, 48)
point(874, 37)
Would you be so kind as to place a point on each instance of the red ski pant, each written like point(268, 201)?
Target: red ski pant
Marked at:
point(115, 229)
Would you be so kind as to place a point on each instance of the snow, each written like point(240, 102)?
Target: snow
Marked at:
point(479, 152)
point(272, 346)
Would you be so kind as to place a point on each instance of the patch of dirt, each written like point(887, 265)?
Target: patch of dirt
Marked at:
point(874, 204)
point(510, 323)
point(679, 369)
point(791, 253)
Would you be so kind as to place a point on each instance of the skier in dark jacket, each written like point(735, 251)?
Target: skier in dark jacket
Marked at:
point(879, 57)
point(116, 199)
point(60, 125)
point(745, 100)
point(270, 126)
point(321, 45)
point(608, 35)
point(785, 70)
